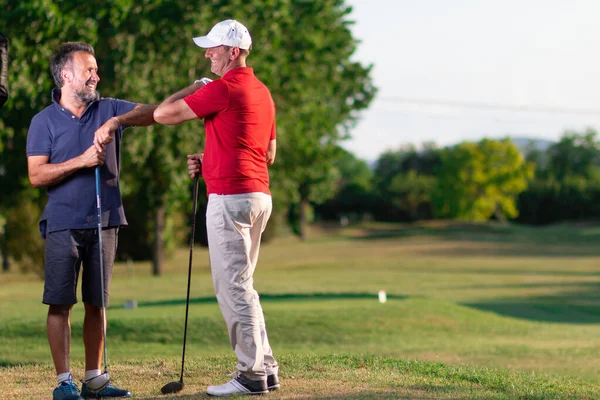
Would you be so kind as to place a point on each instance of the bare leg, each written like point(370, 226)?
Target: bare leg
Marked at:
point(92, 336)
point(58, 326)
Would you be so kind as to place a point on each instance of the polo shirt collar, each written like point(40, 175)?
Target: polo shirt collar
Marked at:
point(57, 93)
point(238, 71)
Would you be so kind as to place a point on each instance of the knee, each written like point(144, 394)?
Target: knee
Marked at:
point(60, 310)
point(92, 310)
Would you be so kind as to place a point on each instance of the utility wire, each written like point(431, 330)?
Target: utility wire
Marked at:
point(489, 106)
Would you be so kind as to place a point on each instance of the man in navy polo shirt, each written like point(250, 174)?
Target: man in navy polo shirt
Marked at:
point(61, 156)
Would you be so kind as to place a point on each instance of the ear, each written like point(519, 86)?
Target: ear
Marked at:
point(235, 53)
point(67, 75)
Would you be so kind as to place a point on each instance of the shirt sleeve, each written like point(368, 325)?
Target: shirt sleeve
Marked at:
point(209, 99)
point(39, 141)
point(121, 107)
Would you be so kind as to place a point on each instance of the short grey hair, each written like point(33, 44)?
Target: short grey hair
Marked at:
point(64, 56)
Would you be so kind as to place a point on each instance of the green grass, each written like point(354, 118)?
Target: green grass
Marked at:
point(332, 376)
point(473, 312)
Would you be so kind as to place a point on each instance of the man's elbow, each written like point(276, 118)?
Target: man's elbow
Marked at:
point(35, 181)
point(165, 115)
point(161, 116)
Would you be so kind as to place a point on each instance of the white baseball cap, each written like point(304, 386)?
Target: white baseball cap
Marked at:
point(226, 33)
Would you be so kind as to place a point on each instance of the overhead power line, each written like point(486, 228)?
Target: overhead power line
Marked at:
point(489, 106)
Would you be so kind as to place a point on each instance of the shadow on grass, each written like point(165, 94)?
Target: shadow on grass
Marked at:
point(574, 307)
point(538, 285)
point(270, 297)
point(10, 364)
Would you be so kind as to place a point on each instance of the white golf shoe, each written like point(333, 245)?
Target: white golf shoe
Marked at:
point(240, 385)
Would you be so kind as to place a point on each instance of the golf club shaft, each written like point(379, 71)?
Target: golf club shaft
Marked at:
point(99, 208)
point(187, 299)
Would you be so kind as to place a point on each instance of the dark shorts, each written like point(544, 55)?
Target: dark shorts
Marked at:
point(66, 251)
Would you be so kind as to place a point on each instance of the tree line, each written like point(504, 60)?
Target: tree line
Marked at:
point(475, 181)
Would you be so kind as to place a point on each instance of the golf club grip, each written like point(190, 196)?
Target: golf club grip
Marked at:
point(187, 298)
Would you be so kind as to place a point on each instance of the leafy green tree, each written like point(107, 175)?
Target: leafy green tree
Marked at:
point(574, 155)
point(318, 99)
point(134, 47)
point(28, 246)
point(403, 179)
point(479, 180)
point(567, 183)
point(394, 162)
point(411, 193)
point(34, 30)
point(353, 170)
point(354, 190)
point(144, 49)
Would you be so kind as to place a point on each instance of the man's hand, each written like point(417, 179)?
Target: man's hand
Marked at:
point(104, 135)
point(194, 163)
point(92, 157)
point(271, 151)
point(202, 81)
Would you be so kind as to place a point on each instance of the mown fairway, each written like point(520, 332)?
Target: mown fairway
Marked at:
point(486, 312)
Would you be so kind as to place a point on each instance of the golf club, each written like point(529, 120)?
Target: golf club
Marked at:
point(101, 381)
point(174, 387)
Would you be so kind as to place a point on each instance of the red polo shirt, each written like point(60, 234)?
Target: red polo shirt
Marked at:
point(239, 118)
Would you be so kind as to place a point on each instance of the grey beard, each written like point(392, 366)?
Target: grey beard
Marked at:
point(86, 97)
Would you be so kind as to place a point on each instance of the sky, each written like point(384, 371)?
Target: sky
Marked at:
point(440, 64)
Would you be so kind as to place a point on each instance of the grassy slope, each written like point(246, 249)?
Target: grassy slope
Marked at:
point(521, 300)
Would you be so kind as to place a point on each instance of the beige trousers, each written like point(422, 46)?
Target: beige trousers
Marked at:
point(235, 224)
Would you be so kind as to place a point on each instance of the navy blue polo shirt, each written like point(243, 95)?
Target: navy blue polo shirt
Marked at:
point(57, 133)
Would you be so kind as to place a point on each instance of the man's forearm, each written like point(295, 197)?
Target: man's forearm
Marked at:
point(141, 115)
point(183, 93)
point(51, 174)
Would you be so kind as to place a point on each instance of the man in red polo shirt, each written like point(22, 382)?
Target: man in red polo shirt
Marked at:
point(239, 117)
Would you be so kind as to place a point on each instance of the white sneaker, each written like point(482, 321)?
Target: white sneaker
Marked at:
point(240, 384)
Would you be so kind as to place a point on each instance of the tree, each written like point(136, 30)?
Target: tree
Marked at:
point(145, 53)
point(353, 196)
point(27, 24)
point(134, 46)
point(404, 179)
point(411, 193)
point(567, 184)
point(318, 99)
point(479, 180)
point(574, 155)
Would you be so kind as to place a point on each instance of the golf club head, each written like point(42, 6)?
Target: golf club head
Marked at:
point(98, 383)
point(172, 387)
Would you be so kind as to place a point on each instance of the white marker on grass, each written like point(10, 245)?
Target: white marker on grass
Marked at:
point(382, 296)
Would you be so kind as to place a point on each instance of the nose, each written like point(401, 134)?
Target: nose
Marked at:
point(96, 77)
point(207, 54)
